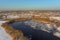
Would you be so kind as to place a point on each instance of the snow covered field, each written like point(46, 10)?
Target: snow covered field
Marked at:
point(55, 18)
point(3, 34)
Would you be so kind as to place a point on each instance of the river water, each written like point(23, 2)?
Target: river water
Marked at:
point(32, 33)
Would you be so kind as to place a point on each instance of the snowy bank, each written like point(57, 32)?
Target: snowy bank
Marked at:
point(3, 34)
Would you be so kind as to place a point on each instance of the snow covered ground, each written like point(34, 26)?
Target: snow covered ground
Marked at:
point(55, 18)
point(3, 34)
point(12, 16)
point(37, 25)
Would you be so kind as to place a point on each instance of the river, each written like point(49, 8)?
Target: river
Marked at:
point(32, 33)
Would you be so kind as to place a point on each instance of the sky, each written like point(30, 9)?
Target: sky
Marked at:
point(29, 4)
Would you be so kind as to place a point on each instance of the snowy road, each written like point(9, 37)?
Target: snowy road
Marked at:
point(3, 34)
